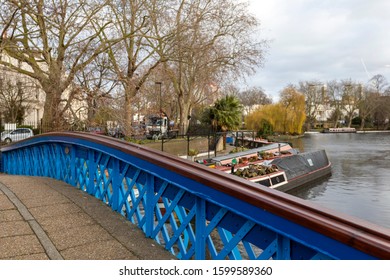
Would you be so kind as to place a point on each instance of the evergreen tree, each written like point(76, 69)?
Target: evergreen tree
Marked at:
point(224, 115)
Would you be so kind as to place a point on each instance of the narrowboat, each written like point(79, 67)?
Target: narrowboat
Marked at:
point(281, 169)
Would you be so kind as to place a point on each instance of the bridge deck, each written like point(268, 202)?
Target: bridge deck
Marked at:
point(42, 218)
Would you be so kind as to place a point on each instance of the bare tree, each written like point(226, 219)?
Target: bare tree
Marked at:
point(139, 23)
point(370, 101)
point(12, 101)
point(379, 84)
point(95, 84)
point(213, 42)
point(379, 90)
point(251, 98)
point(51, 41)
point(334, 92)
point(314, 94)
point(351, 99)
point(17, 96)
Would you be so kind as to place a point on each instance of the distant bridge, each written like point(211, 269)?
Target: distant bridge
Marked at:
point(195, 212)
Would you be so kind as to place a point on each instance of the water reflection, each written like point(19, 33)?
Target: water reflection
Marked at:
point(360, 180)
point(312, 191)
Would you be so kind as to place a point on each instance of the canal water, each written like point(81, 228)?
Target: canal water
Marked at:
point(360, 180)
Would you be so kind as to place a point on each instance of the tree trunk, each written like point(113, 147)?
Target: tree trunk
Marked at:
point(224, 136)
point(52, 119)
point(185, 110)
point(130, 93)
point(336, 122)
point(92, 109)
point(308, 125)
point(362, 123)
point(128, 116)
point(350, 120)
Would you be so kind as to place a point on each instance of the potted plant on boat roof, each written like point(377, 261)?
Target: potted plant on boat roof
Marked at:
point(192, 153)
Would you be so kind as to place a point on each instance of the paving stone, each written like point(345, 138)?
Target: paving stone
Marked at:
point(46, 200)
point(26, 192)
point(10, 215)
point(54, 210)
point(73, 237)
point(130, 235)
point(78, 225)
point(40, 256)
point(14, 228)
point(60, 223)
point(103, 250)
point(144, 248)
point(24, 183)
point(14, 246)
point(5, 203)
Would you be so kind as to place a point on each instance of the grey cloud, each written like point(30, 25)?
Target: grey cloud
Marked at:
point(322, 40)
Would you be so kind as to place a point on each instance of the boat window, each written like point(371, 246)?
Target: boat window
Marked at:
point(277, 179)
point(265, 182)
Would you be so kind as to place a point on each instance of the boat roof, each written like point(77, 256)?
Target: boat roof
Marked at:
point(250, 151)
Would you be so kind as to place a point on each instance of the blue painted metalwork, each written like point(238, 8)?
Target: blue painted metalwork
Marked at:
point(192, 210)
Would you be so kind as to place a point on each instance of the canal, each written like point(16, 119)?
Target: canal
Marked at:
point(360, 180)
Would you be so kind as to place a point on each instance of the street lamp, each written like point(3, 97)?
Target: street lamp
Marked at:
point(162, 138)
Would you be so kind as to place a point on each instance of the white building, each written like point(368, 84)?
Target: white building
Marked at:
point(33, 99)
point(19, 87)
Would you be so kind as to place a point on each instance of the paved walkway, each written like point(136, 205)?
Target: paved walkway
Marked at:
point(41, 218)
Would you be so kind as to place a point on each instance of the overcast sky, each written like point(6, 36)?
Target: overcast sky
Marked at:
point(322, 40)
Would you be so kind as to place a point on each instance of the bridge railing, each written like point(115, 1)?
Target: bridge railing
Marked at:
point(194, 211)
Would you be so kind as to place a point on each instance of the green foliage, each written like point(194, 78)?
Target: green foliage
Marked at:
point(238, 149)
point(265, 128)
point(357, 120)
point(193, 152)
point(139, 141)
point(25, 126)
point(225, 115)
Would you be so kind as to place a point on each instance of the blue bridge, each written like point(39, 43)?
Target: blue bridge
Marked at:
point(191, 210)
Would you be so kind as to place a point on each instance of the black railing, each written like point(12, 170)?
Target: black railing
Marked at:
point(199, 141)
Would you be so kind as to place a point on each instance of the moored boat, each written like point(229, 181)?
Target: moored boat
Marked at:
point(266, 152)
point(303, 169)
point(283, 171)
point(340, 130)
point(269, 176)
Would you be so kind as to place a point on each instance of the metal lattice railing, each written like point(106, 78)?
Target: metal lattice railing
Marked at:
point(194, 211)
